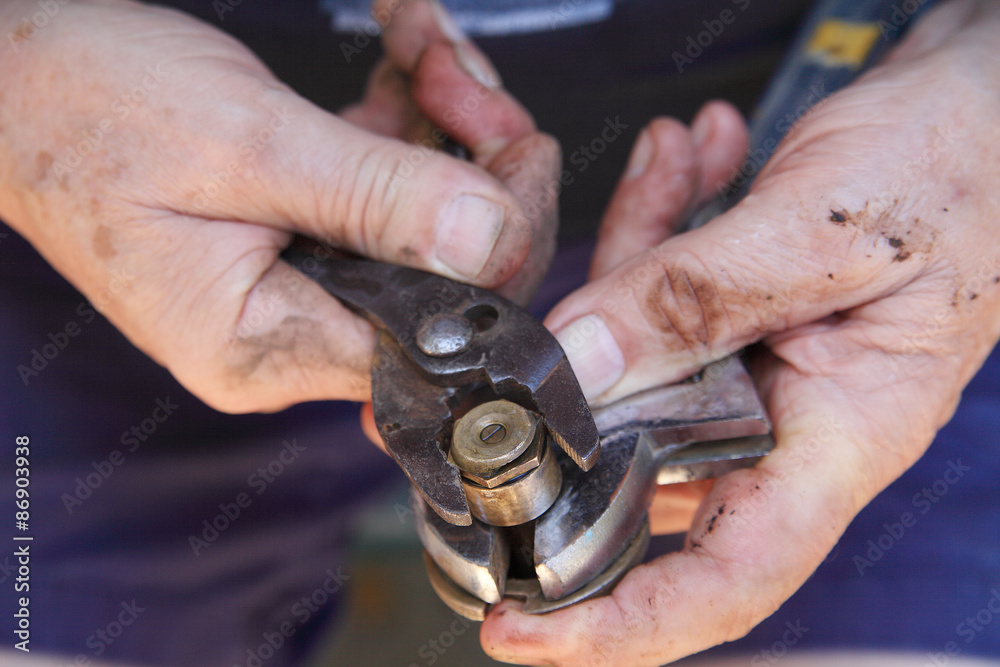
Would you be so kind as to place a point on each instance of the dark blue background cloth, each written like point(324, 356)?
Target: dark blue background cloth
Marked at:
point(107, 535)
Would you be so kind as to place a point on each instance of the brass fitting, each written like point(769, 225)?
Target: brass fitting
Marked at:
point(509, 476)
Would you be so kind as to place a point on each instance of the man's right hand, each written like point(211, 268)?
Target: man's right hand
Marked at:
point(161, 168)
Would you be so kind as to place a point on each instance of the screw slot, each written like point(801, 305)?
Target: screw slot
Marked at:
point(493, 434)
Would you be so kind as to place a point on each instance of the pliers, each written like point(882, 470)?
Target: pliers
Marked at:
point(550, 527)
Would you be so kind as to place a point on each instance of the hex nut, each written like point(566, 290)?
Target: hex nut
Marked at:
point(529, 460)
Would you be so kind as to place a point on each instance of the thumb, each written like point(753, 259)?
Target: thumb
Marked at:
point(308, 171)
point(705, 294)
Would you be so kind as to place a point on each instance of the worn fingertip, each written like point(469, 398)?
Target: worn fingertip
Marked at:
point(511, 636)
point(721, 139)
point(409, 28)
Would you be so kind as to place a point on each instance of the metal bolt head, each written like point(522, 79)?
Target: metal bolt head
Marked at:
point(444, 335)
point(492, 435)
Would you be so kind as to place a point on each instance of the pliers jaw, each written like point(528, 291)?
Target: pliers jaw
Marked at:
point(442, 347)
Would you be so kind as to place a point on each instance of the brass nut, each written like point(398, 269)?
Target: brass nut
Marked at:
point(529, 460)
point(496, 442)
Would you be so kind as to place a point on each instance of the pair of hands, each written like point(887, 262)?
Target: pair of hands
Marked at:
point(867, 259)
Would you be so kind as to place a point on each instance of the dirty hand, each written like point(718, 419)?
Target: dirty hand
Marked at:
point(867, 260)
point(161, 168)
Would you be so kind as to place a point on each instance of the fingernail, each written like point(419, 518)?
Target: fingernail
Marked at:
point(702, 129)
point(477, 66)
point(642, 155)
point(466, 233)
point(446, 23)
point(593, 353)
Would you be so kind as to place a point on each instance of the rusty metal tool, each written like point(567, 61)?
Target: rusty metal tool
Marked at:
point(519, 489)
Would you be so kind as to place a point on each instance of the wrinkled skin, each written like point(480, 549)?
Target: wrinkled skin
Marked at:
point(867, 261)
point(161, 168)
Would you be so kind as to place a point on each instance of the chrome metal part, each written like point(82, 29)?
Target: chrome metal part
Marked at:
point(718, 403)
point(595, 516)
point(602, 584)
point(475, 557)
point(713, 459)
point(458, 599)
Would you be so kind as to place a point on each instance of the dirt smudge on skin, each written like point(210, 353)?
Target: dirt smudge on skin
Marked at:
point(919, 236)
point(899, 245)
point(43, 161)
point(300, 338)
point(688, 305)
point(103, 246)
point(23, 32)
